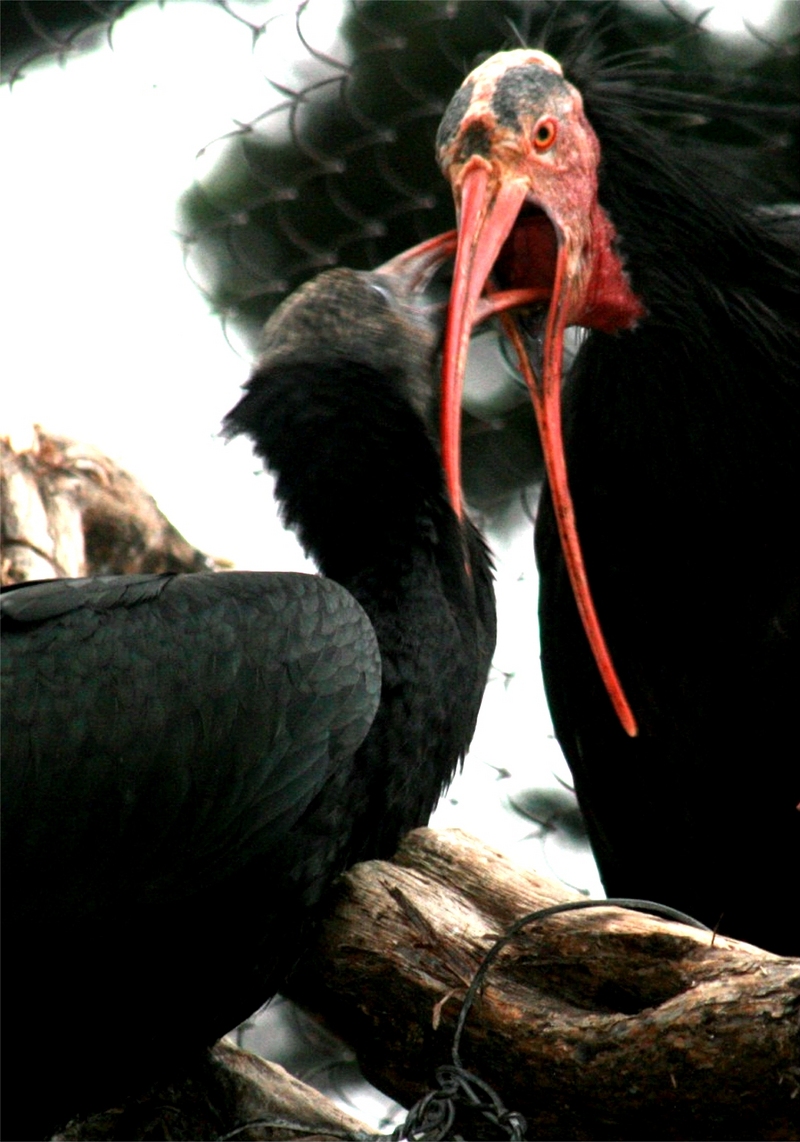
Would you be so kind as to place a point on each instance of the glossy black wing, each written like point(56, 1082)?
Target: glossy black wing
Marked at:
point(159, 731)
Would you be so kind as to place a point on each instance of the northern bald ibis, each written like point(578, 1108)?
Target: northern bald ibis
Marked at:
point(190, 760)
point(673, 460)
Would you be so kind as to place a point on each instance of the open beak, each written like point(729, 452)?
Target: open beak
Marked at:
point(490, 197)
point(412, 271)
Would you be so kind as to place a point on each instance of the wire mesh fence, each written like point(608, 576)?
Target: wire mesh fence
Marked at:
point(339, 166)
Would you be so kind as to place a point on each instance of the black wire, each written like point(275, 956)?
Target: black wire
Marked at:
point(542, 914)
point(433, 1117)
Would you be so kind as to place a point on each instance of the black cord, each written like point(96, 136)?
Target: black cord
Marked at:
point(433, 1117)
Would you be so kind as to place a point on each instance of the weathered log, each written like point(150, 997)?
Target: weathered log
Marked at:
point(231, 1094)
point(593, 1024)
point(68, 510)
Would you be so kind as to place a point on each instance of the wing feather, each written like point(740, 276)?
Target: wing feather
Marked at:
point(167, 729)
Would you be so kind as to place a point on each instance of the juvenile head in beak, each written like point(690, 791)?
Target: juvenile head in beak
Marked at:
point(522, 160)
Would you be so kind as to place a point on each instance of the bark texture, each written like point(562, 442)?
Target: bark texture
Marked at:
point(594, 1024)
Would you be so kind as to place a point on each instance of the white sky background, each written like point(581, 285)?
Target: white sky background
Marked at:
point(105, 338)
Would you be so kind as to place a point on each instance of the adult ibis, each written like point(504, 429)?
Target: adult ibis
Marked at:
point(189, 760)
point(667, 534)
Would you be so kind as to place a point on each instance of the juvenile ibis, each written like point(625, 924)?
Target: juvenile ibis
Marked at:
point(667, 532)
point(189, 760)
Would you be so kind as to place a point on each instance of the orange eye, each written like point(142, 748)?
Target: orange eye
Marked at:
point(545, 135)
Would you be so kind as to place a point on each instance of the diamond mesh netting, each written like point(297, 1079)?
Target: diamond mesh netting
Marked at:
point(339, 168)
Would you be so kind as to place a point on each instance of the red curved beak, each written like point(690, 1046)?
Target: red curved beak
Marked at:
point(490, 205)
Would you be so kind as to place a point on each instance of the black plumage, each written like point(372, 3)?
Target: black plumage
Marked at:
point(681, 422)
point(190, 760)
point(682, 442)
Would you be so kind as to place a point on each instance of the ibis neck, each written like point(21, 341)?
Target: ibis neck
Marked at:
point(359, 477)
point(357, 473)
point(695, 253)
